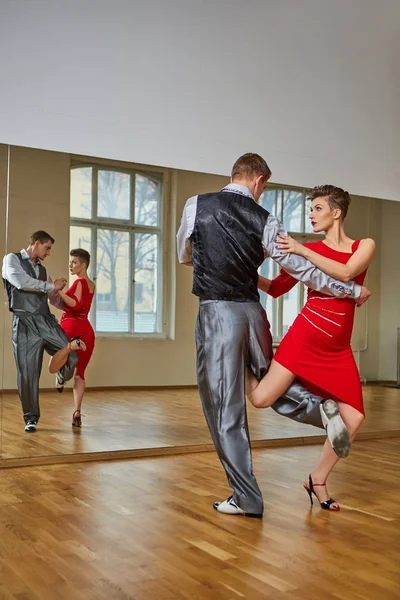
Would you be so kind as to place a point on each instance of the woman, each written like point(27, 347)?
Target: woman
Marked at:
point(74, 321)
point(316, 349)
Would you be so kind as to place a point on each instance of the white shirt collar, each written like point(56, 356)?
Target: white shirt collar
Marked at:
point(26, 256)
point(239, 189)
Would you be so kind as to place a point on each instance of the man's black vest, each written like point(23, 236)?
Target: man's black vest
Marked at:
point(28, 301)
point(227, 246)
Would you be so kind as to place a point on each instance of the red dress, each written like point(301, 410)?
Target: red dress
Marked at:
point(74, 322)
point(317, 346)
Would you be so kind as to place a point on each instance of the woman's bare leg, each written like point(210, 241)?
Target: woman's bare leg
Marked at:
point(78, 391)
point(275, 383)
point(263, 394)
point(60, 358)
point(328, 459)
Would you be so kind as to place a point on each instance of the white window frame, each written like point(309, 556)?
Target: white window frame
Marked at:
point(95, 222)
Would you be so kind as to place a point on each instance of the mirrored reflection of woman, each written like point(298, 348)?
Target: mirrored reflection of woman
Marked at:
point(75, 322)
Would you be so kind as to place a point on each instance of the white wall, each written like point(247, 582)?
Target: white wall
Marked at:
point(390, 290)
point(313, 85)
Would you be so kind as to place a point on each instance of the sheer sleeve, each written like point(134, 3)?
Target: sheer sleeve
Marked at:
point(71, 292)
point(281, 284)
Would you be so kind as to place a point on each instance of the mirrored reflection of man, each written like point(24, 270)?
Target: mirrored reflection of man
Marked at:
point(34, 329)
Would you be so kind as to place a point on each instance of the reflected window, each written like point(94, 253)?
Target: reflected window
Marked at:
point(116, 215)
point(113, 195)
point(81, 193)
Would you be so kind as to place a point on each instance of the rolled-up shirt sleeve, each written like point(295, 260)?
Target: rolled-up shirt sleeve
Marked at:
point(301, 268)
point(14, 273)
point(184, 244)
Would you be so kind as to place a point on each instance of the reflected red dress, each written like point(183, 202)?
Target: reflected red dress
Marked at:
point(74, 322)
point(317, 347)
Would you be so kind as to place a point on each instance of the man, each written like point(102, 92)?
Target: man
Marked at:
point(226, 236)
point(34, 328)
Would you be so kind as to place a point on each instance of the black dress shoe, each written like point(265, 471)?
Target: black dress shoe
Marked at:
point(229, 507)
point(30, 426)
point(60, 382)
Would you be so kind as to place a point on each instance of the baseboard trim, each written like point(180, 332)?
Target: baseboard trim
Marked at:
point(149, 388)
point(35, 461)
point(379, 383)
point(116, 388)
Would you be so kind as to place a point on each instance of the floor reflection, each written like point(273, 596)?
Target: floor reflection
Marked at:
point(126, 419)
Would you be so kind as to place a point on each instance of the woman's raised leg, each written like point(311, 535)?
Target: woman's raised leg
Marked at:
point(263, 394)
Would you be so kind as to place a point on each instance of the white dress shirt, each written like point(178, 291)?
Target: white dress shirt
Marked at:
point(15, 274)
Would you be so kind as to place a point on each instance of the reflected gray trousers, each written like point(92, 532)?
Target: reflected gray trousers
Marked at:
point(31, 335)
point(231, 336)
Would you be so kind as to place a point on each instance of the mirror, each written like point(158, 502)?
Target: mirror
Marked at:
point(141, 382)
point(3, 307)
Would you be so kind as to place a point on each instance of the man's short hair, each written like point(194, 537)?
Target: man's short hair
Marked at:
point(42, 237)
point(250, 165)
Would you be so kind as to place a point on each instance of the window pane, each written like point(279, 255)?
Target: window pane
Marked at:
point(80, 237)
point(308, 227)
point(268, 200)
point(146, 282)
point(305, 293)
point(113, 195)
point(291, 307)
point(147, 201)
point(269, 269)
point(113, 282)
point(278, 213)
point(292, 210)
point(81, 192)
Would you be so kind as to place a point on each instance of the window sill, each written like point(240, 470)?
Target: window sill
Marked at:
point(132, 336)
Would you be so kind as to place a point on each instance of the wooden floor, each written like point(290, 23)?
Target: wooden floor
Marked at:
point(165, 418)
point(145, 530)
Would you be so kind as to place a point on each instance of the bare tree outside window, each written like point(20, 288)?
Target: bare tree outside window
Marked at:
point(147, 201)
point(113, 195)
point(289, 206)
point(122, 212)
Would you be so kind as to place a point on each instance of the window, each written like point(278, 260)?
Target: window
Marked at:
point(116, 214)
point(291, 207)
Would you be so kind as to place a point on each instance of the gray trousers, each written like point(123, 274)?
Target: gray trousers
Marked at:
point(31, 335)
point(231, 336)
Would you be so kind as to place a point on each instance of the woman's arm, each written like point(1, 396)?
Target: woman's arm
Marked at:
point(278, 286)
point(72, 298)
point(264, 284)
point(358, 262)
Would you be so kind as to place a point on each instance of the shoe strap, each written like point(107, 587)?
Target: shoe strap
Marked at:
point(312, 484)
point(328, 503)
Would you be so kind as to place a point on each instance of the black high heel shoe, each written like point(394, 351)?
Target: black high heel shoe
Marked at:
point(327, 504)
point(77, 419)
